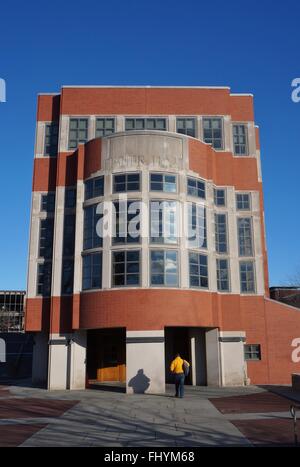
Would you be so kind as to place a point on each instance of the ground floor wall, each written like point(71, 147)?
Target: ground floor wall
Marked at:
point(220, 325)
point(71, 361)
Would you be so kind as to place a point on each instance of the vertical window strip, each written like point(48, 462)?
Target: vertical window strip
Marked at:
point(127, 222)
point(198, 270)
point(91, 239)
point(243, 201)
point(223, 282)
point(197, 231)
point(51, 139)
point(186, 126)
point(92, 271)
point(247, 277)
point(48, 202)
point(78, 132)
point(196, 188)
point(221, 233)
point(220, 197)
point(240, 140)
point(213, 132)
point(245, 236)
point(44, 276)
point(164, 268)
point(163, 221)
point(126, 268)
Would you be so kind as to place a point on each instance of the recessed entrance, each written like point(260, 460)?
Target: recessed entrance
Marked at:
point(106, 355)
point(190, 343)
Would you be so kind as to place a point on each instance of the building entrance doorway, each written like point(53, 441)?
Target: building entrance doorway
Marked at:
point(106, 355)
point(190, 343)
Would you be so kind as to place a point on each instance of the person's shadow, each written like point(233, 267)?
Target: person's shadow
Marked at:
point(139, 383)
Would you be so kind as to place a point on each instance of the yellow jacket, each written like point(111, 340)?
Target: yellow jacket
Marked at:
point(177, 365)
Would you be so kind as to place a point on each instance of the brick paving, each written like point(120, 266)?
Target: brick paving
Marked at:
point(31, 407)
point(257, 403)
point(267, 432)
point(14, 435)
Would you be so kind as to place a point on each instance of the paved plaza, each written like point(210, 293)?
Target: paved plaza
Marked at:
point(107, 417)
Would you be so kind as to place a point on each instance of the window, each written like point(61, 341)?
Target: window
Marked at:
point(67, 276)
point(78, 132)
point(145, 124)
point(46, 238)
point(91, 239)
point(70, 198)
point(126, 182)
point(197, 236)
point(252, 352)
point(245, 236)
point(240, 140)
point(163, 182)
point(219, 197)
point(243, 201)
point(44, 274)
point(51, 139)
point(104, 126)
point(196, 188)
point(198, 270)
point(186, 126)
point(222, 275)
point(163, 222)
point(247, 277)
point(126, 268)
point(48, 202)
point(92, 271)
point(94, 187)
point(69, 235)
point(127, 222)
point(221, 233)
point(164, 268)
point(213, 132)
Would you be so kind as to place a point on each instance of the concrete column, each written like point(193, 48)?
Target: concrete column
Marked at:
point(228, 143)
point(213, 366)
point(198, 356)
point(172, 123)
point(78, 360)
point(145, 362)
point(59, 361)
point(92, 127)
point(58, 241)
point(232, 358)
point(251, 139)
point(40, 359)
point(120, 123)
point(63, 133)
point(40, 139)
point(36, 217)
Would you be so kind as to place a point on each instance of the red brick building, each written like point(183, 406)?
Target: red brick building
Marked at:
point(116, 307)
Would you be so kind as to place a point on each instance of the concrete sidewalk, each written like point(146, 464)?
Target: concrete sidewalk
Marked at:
point(103, 418)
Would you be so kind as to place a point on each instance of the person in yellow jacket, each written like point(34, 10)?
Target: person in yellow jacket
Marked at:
point(179, 368)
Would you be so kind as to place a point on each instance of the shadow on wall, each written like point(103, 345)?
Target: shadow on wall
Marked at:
point(139, 383)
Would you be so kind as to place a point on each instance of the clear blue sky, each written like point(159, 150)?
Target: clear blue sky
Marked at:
point(252, 47)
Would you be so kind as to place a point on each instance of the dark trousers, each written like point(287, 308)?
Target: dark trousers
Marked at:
point(179, 384)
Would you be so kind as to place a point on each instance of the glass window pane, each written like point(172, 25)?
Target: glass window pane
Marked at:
point(140, 124)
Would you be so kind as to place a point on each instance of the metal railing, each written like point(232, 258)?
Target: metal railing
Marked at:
point(293, 410)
